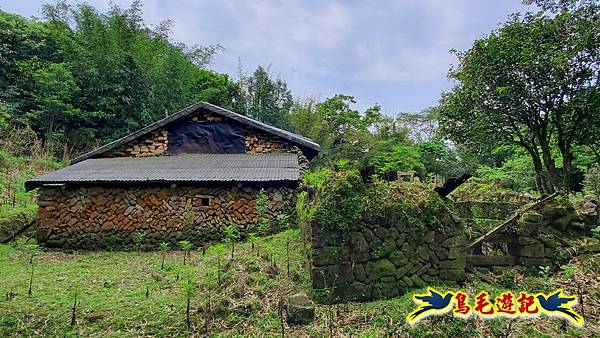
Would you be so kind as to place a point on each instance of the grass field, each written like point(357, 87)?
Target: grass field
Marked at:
point(126, 294)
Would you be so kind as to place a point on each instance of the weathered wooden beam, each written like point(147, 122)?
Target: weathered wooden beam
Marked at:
point(451, 184)
point(17, 233)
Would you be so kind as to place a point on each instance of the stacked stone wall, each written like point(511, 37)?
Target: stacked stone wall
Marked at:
point(108, 217)
point(382, 262)
point(539, 238)
point(153, 144)
point(485, 210)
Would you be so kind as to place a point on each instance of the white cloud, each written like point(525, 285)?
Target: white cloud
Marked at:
point(392, 52)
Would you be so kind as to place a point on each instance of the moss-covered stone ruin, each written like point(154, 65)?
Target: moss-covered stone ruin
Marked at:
point(545, 236)
point(377, 240)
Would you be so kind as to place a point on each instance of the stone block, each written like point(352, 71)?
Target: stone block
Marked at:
point(384, 249)
point(397, 258)
point(423, 253)
point(456, 252)
point(374, 244)
point(368, 234)
point(382, 233)
point(417, 281)
point(380, 268)
point(404, 270)
point(385, 290)
point(452, 274)
point(533, 217)
point(359, 273)
point(356, 291)
point(358, 246)
point(526, 240)
point(429, 237)
point(528, 228)
point(329, 255)
point(300, 309)
point(534, 250)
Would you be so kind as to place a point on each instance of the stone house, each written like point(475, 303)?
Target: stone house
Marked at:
point(185, 177)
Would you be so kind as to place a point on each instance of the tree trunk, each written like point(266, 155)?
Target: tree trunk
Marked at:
point(550, 166)
point(544, 186)
point(567, 172)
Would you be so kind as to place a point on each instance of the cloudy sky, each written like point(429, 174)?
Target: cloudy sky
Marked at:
point(395, 53)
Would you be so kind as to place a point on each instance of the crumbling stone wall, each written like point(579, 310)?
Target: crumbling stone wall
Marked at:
point(384, 261)
point(534, 244)
point(539, 238)
point(107, 217)
point(485, 210)
point(399, 236)
point(540, 235)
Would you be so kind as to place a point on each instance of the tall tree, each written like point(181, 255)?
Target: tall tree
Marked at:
point(533, 83)
point(83, 77)
point(342, 132)
point(267, 99)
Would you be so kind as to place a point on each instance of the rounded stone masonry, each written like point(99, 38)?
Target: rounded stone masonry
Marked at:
point(374, 241)
point(113, 217)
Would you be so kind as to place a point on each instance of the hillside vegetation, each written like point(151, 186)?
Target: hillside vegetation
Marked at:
point(127, 294)
point(18, 207)
point(522, 118)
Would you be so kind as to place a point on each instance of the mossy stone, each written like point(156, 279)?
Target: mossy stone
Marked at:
point(384, 249)
point(456, 252)
point(329, 255)
point(417, 281)
point(368, 234)
point(375, 244)
point(300, 309)
point(382, 233)
point(359, 248)
point(356, 291)
point(385, 290)
point(452, 274)
point(397, 258)
point(380, 268)
point(404, 270)
point(359, 273)
point(429, 237)
point(534, 250)
point(422, 253)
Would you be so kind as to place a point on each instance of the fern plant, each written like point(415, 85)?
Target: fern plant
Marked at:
point(232, 234)
point(186, 246)
point(164, 247)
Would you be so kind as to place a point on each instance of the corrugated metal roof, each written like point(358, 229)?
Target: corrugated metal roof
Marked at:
point(295, 138)
point(180, 168)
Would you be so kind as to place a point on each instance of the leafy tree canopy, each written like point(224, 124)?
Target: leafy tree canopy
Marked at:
point(532, 83)
point(82, 77)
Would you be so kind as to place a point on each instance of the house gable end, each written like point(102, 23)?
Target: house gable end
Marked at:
point(154, 139)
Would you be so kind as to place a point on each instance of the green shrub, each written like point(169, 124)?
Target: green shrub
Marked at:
point(264, 224)
point(568, 271)
point(344, 201)
point(591, 183)
point(12, 220)
point(596, 232)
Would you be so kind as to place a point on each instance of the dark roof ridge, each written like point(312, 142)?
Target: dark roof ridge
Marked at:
point(298, 139)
